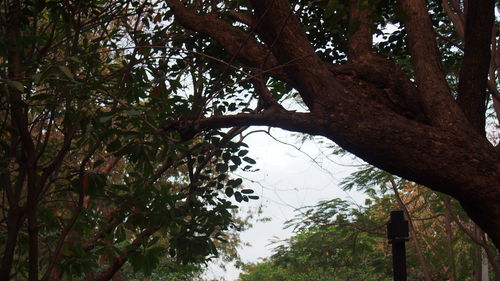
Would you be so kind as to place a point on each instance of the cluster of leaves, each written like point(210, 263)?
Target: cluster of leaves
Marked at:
point(89, 181)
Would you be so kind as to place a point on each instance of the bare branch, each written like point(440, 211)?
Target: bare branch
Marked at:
point(287, 120)
point(265, 94)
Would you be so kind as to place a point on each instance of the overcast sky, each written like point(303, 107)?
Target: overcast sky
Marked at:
point(287, 179)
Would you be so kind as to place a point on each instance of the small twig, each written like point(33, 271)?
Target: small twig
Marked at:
point(249, 21)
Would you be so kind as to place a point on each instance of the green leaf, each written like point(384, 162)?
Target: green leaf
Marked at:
point(16, 84)
point(66, 71)
point(171, 252)
point(221, 168)
point(114, 145)
point(136, 260)
point(226, 156)
point(235, 182)
point(236, 160)
point(330, 8)
point(132, 112)
point(249, 160)
point(37, 77)
point(105, 119)
point(120, 234)
point(43, 96)
point(238, 196)
point(75, 59)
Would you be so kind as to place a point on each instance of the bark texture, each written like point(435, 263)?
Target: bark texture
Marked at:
point(369, 106)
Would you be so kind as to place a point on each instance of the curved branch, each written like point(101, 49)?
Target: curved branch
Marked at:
point(281, 29)
point(241, 45)
point(265, 95)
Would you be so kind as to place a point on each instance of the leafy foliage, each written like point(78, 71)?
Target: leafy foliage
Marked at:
point(88, 178)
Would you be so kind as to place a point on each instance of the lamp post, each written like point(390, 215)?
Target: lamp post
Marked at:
point(398, 234)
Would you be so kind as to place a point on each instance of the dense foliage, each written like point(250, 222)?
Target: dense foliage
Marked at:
point(89, 183)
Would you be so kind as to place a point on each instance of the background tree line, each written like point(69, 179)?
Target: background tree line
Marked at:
point(336, 240)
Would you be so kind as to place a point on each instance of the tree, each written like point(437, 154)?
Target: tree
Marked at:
point(331, 242)
point(88, 184)
point(423, 120)
point(335, 240)
point(121, 121)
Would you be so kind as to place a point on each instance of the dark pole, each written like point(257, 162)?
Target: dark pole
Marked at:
point(397, 233)
point(399, 261)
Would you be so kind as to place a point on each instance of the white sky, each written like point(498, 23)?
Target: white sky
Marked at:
point(287, 179)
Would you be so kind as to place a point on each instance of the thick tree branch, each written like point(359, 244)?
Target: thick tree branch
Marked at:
point(368, 140)
point(241, 45)
point(270, 117)
point(438, 102)
point(245, 19)
point(474, 72)
point(19, 119)
point(14, 221)
point(282, 31)
point(400, 94)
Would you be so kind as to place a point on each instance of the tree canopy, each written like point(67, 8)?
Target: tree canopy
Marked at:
point(414, 104)
point(121, 121)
